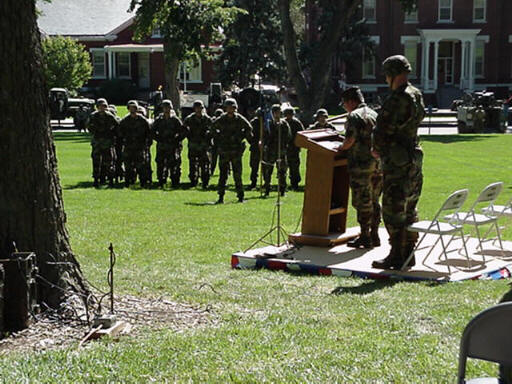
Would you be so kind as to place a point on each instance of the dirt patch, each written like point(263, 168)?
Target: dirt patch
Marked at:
point(65, 329)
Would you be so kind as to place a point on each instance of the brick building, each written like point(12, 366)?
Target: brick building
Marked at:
point(453, 46)
point(106, 29)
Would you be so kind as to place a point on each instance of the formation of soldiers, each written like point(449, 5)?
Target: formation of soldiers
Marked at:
point(383, 152)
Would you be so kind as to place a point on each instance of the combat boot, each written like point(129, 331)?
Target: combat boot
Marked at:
point(220, 200)
point(409, 247)
point(161, 183)
point(111, 182)
point(193, 183)
point(96, 183)
point(363, 241)
point(252, 186)
point(394, 260)
point(374, 234)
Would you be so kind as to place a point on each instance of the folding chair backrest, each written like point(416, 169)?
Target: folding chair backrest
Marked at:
point(488, 336)
point(490, 193)
point(455, 200)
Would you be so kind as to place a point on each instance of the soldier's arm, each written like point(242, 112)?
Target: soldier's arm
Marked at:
point(247, 128)
point(351, 127)
point(394, 111)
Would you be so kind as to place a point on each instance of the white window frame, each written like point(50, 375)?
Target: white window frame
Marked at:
point(129, 65)
point(411, 20)
point(156, 33)
point(439, 20)
point(93, 52)
point(198, 68)
point(483, 40)
point(374, 19)
point(484, 20)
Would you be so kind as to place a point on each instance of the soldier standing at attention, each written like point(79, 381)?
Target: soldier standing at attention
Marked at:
point(229, 131)
point(293, 152)
point(213, 150)
point(275, 142)
point(364, 170)
point(321, 120)
point(396, 142)
point(168, 133)
point(135, 132)
point(198, 125)
point(118, 146)
point(254, 148)
point(102, 126)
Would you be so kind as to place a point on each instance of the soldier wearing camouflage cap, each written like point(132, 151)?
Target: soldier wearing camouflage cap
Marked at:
point(293, 152)
point(102, 126)
point(364, 170)
point(396, 142)
point(168, 132)
point(198, 125)
point(229, 132)
point(321, 120)
point(135, 134)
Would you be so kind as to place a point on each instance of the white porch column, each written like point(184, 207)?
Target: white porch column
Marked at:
point(463, 64)
point(436, 64)
point(471, 65)
point(110, 66)
point(426, 61)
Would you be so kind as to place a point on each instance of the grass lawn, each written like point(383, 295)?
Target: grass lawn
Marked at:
point(272, 326)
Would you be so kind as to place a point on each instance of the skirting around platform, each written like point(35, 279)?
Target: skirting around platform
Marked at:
point(343, 261)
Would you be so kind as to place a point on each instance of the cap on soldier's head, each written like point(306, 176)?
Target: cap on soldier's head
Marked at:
point(218, 112)
point(102, 101)
point(198, 103)
point(141, 109)
point(353, 93)
point(167, 103)
point(396, 65)
point(322, 112)
point(276, 107)
point(132, 103)
point(230, 102)
point(289, 110)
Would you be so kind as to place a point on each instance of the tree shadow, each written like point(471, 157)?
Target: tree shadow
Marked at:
point(365, 288)
point(447, 139)
point(73, 137)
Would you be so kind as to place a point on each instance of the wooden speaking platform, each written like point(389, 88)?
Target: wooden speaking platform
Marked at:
point(325, 205)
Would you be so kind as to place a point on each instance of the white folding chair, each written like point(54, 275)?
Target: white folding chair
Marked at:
point(436, 227)
point(488, 196)
point(499, 210)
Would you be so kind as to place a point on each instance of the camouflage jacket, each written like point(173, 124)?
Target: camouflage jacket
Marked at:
point(360, 125)
point(199, 135)
point(271, 138)
point(229, 133)
point(255, 124)
point(102, 126)
point(295, 126)
point(168, 132)
point(317, 125)
point(396, 135)
point(135, 132)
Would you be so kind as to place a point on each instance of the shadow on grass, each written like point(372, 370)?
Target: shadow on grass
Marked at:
point(73, 137)
point(447, 139)
point(365, 288)
point(210, 203)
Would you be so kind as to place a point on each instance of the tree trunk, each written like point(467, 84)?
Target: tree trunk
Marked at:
point(31, 207)
point(172, 66)
point(313, 95)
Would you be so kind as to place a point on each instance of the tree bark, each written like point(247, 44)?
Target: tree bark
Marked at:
point(31, 207)
point(172, 66)
point(313, 95)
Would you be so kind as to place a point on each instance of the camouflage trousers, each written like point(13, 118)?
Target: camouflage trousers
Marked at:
point(401, 192)
point(254, 162)
point(293, 159)
point(102, 162)
point(199, 165)
point(119, 168)
point(168, 164)
point(214, 157)
point(135, 162)
point(268, 168)
point(233, 158)
point(366, 186)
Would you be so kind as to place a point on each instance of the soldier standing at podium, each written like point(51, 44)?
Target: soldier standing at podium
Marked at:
point(396, 142)
point(364, 170)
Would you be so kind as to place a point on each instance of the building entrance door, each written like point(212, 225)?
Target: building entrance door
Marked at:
point(445, 63)
point(143, 66)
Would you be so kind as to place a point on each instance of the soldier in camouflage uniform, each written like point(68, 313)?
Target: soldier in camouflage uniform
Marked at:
point(135, 133)
point(321, 120)
point(213, 150)
point(396, 142)
point(147, 153)
point(278, 132)
point(168, 132)
point(364, 170)
point(254, 148)
point(102, 126)
point(229, 132)
point(81, 118)
point(118, 147)
point(293, 152)
point(198, 125)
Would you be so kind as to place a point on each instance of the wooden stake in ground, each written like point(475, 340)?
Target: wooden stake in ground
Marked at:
point(31, 208)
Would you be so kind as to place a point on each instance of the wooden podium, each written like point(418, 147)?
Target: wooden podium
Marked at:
point(326, 194)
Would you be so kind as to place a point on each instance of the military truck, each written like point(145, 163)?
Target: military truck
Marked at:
point(480, 112)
